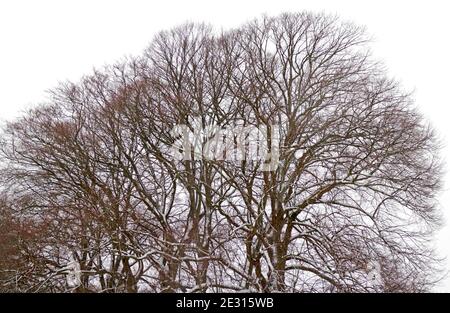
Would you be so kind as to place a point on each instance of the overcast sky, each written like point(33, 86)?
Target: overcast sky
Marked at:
point(46, 41)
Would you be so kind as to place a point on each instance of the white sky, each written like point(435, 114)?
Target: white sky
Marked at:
point(43, 42)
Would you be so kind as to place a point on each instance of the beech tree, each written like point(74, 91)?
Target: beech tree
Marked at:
point(95, 201)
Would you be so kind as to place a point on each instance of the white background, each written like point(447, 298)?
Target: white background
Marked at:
point(43, 42)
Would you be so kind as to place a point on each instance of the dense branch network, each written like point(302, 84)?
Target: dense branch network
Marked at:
point(93, 200)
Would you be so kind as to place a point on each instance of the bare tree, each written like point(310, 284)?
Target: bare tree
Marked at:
point(346, 205)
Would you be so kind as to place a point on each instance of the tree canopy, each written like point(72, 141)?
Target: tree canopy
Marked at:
point(92, 198)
